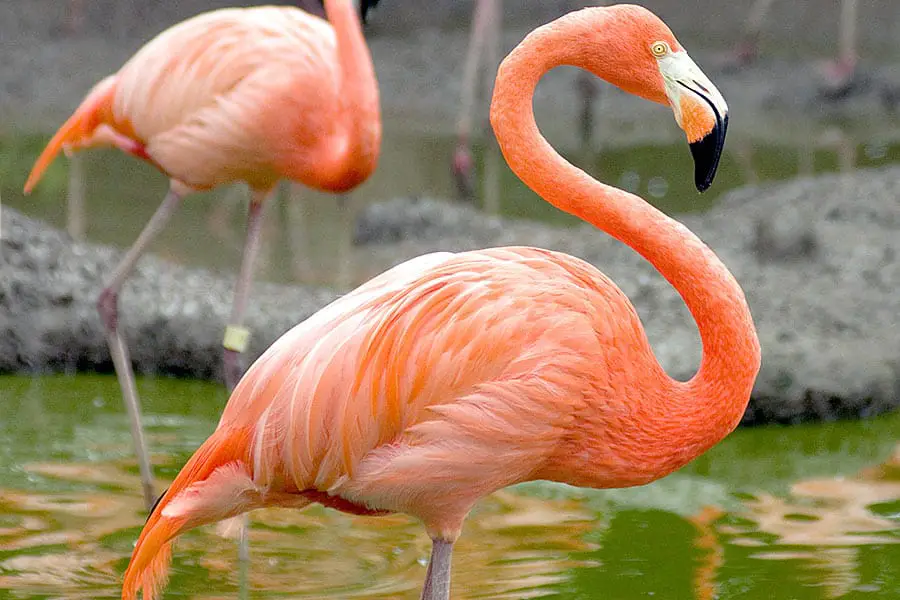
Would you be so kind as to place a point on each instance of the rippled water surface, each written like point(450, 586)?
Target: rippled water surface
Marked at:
point(800, 513)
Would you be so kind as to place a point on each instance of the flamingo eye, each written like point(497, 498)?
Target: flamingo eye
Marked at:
point(659, 49)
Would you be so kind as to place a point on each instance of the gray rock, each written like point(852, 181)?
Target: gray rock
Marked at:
point(827, 320)
point(173, 317)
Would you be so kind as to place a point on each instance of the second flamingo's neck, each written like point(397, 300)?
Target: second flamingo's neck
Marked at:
point(360, 108)
point(716, 397)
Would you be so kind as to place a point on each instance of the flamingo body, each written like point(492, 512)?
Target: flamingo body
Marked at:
point(248, 95)
point(451, 376)
point(238, 94)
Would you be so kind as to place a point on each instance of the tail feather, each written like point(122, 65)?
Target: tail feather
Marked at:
point(93, 111)
point(197, 501)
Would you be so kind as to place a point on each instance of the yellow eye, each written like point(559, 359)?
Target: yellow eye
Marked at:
point(659, 49)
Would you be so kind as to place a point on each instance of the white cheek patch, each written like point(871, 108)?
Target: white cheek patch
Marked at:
point(679, 70)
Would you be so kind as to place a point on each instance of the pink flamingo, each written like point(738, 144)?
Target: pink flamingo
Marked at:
point(838, 75)
point(251, 95)
point(452, 376)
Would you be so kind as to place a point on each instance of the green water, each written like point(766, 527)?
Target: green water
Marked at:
point(778, 513)
point(307, 235)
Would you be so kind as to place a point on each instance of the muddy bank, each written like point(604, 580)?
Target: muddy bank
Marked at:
point(818, 259)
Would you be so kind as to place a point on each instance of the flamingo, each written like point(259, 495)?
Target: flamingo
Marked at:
point(838, 75)
point(487, 31)
point(453, 375)
point(251, 95)
point(75, 16)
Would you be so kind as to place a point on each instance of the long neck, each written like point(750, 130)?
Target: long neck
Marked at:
point(360, 108)
point(719, 391)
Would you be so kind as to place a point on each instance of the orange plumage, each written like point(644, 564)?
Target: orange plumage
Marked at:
point(453, 375)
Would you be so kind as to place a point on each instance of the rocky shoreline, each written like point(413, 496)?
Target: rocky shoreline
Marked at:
point(817, 257)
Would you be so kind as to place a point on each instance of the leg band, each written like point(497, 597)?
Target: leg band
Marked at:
point(236, 338)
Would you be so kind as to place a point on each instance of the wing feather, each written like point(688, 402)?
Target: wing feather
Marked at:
point(445, 349)
point(204, 92)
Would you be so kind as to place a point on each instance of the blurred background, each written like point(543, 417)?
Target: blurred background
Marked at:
point(803, 505)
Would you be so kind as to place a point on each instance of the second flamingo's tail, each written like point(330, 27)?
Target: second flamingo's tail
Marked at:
point(215, 484)
point(93, 111)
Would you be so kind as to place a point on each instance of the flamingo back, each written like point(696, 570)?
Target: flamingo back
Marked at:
point(225, 95)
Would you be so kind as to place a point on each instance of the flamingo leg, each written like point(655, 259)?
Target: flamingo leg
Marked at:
point(847, 32)
point(587, 87)
point(437, 577)
point(236, 335)
point(462, 157)
point(493, 161)
point(75, 198)
point(108, 307)
point(840, 74)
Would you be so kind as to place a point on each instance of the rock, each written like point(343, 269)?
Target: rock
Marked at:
point(826, 320)
point(173, 317)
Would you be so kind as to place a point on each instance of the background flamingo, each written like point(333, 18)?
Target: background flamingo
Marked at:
point(249, 95)
point(451, 376)
point(75, 17)
point(838, 75)
point(485, 39)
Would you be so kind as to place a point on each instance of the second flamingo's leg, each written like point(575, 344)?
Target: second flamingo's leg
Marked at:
point(839, 75)
point(108, 307)
point(437, 576)
point(236, 335)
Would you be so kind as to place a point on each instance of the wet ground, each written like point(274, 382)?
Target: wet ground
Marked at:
point(818, 521)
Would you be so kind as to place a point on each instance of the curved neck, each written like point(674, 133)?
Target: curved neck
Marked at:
point(720, 390)
point(360, 110)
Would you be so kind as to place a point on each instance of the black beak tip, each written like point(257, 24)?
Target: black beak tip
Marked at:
point(707, 152)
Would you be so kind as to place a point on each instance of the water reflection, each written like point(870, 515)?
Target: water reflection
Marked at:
point(825, 522)
point(70, 510)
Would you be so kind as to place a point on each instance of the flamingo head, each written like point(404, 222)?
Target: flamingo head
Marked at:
point(634, 50)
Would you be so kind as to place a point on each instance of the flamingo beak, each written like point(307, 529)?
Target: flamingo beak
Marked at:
point(700, 111)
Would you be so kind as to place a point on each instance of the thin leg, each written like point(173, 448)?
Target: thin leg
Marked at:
point(75, 198)
point(747, 49)
point(847, 32)
point(108, 307)
point(348, 208)
point(839, 75)
point(236, 335)
point(462, 157)
point(437, 577)
point(493, 162)
point(587, 89)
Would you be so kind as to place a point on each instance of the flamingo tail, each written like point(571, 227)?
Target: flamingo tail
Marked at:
point(93, 111)
point(215, 484)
